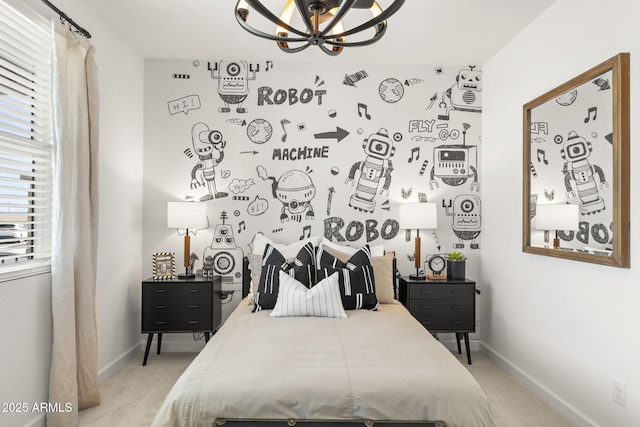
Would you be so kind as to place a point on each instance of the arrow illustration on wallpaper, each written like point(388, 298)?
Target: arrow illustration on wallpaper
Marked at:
point(249, 152)
point(339, 134)
point(329, 199)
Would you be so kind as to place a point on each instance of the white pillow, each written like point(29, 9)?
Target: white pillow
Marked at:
point(376, 250)
point(296, 300)
point(288, 251)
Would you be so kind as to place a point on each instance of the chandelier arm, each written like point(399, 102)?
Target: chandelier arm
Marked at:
point(332, 52)
point(264, 35)
point(367, 42)
point(259, 7)
point(393, 8)
point(302, 9)
point(284, 46)
point(345, 6)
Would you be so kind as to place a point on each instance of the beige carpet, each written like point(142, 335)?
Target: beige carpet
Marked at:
point(131, 397)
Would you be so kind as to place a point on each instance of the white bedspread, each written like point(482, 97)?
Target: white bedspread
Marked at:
point(374, 365)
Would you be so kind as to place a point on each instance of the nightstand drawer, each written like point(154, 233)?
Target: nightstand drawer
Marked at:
point(177, 323)
point(446, 323)
point(441, 291)
point(153, 306)
point(443, 306)
point(176, 290)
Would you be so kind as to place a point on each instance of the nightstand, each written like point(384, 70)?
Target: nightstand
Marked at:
point(180, 305)
point(442, 306)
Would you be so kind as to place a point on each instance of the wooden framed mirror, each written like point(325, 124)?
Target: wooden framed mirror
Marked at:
point(576, 152)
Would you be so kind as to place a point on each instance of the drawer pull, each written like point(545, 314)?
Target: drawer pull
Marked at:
point(456, 307)
point(161, 323)
point(194, 306)
point(161, 306)
point(456, 291)
point(194, 291)
point(425, 307)
point(456, 322)
point(193, 322)
point(426, 291)
point(161, 291)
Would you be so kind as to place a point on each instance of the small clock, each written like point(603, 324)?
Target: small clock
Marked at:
point(436, 264)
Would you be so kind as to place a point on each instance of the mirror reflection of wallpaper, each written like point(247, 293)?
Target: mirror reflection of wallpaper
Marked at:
point(572, 162)
point(293, 150)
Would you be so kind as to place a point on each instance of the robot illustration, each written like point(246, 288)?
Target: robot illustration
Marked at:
point(233, 83)
point(454, 164)
point(209, 146)
point(466, 212)
point(466, 94)
point(295, 190)
point(223, 258)
point(377, 165)
point(575, 152)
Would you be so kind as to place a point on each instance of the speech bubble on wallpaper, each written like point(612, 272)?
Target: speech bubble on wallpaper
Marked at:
point(184, 104)
point(240, 185)
point(258, 206)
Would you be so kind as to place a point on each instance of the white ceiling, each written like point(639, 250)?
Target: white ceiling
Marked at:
point(422, 31)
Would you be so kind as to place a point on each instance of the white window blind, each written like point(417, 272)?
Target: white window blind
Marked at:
point(26, 149)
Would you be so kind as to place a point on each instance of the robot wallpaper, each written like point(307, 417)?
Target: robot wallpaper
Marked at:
point(293, 150)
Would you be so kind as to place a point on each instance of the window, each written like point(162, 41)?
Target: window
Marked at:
point(26, 150)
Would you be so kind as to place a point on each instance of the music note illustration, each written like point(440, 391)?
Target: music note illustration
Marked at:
point(542, 153)
point(306, 232)
point(415, 153)
point(591, 110)
point(282, 123)
point(364, 107)
point(241, 226)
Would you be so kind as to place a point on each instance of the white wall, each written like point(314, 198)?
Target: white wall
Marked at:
point(564, 327)
point(25, 313)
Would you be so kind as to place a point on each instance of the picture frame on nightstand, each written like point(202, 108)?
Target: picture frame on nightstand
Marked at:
point(164, 266)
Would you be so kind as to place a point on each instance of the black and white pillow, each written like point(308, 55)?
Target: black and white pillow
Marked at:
point(302, 268)
point(296, 300)
point(357, 283)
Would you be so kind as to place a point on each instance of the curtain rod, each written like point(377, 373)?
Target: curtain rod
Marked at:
point(64, 18)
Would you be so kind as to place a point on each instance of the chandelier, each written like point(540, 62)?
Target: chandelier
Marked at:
point(322, 20)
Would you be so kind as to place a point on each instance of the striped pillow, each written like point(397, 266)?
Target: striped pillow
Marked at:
point(356, 278)
point(296, 300)
point(302, 268)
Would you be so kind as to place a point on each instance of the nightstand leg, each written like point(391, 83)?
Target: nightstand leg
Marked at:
point(458, 341)
point(206, 337)
point(146, 352)
point(159, 341)
point(466, 344)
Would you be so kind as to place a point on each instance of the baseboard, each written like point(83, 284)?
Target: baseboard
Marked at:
point(570, 412)
point(452, 344)
point(117, 364)
point(171, 343)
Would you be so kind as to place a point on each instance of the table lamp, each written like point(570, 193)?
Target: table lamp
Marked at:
point(190, 216)
point(557, 217)
point(418, 215)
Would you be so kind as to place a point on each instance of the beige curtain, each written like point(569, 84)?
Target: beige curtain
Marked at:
point(74, 372)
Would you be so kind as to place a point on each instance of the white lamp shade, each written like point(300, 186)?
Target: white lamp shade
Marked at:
point(557, 217)
point(418, 215)
point(191, 215)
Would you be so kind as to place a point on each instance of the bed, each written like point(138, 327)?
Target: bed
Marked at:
point(371, 367)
